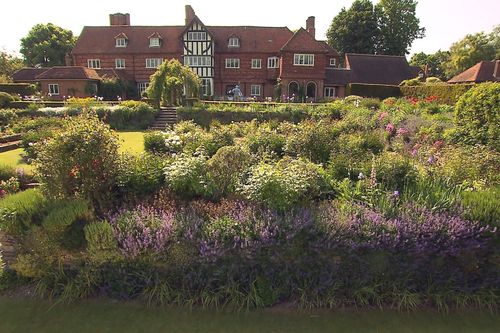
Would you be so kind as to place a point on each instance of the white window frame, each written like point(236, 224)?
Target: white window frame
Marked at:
point(333, 62)
point(330, 92)
point(256, 64)
point(233, 42)
point(121, 42)
point(153, 62)
point(273, 62)
point(197, 36)
point(119, 63)
point(232, 63)
point(207, 83)
point(156, 42)
point(94, 63)
point(142, 87)
point(198, 61)
point(255, 90)
point(303, 59)
point(53, 88)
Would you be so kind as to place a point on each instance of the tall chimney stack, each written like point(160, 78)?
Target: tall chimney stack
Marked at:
point(189, 14)
point(119, 19)
point(311, 29)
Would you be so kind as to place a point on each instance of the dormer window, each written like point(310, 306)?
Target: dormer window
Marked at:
point(121, 42)
point(234, 42)
point(333, 62)
point(154, 42)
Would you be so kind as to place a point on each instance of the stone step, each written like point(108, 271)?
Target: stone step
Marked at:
point(9, 146)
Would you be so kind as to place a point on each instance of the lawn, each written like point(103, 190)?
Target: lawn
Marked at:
point(131, 142)
point(108, 316)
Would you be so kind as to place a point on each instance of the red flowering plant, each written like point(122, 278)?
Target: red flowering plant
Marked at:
point(9, 186)
point(80, 161)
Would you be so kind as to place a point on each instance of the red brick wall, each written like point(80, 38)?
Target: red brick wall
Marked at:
point(73, 88)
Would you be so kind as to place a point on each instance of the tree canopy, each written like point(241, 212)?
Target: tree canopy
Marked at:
point(355, 30)
point(436, 63)
point(399, 26)
point(46, 45)
point(8, 65)
point(470, 50)
point(171, 81)
point(389, 27)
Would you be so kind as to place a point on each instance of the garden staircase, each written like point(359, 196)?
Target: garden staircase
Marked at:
point(7, 249)
point(10, 142)
point(167, 116)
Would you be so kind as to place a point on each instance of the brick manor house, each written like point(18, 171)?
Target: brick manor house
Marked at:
point(223, 56)
point(254, 58)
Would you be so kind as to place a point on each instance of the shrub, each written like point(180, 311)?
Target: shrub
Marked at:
point(314, 140)
point(9, 186)
point(394, 171)
point(186, 175)
point(32, 140)
point(225, 169)
point(445, 93)
point(23, 89)
point(370, 103)
point(140, 175)
point(101, 242)
point(477, 115)
point(373, 90)
point(131, 116)
point(7, 172)
point(483, 206)
point(283, 184)
point(266, 140)
point(162, 142)
point(65, 222)
point(432, 79)
point(5, 99)
point(7, 116)
point(80, 161)
point(17, 211)
point(218, 137)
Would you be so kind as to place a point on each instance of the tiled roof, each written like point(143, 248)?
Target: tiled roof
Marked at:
point(481, 72)
point(102, 40)
point(69, 73)
point(378, 69)
point(337, 76)
point(302, 41)
point(252, 39)
point(27, 74)
point(111, 73)
point(330, 50)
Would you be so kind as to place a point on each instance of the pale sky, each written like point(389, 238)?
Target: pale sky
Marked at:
point(446, 21)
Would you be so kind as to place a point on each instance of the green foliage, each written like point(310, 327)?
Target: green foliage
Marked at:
point(23, 89)
point(33, 139)
point(65, 222)
point(477, 115)
point(483, 206)
point(445, 93)
point(434, 63)
point(266, 140)
point(130, 116)
point(80, 161)
point(9, 64)
point(169, 81)
point(354, 30)
point(7, 172)
point(467, 52)
point(399, 26)
point(7, 117)
point(380, 91)
point(17, 211)
point(225, 169)
point(113, 89)
point(284, 184)
point(394, 171)
point(186, 175)
point(101, 243)
point(47, 45)
point(140, 175)
point(5, 99)
point(154, 142)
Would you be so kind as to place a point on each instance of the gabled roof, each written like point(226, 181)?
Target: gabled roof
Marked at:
point(69, 73)
point(378, 69)
point(481, 72)
point(337, 76)
point(121, 35)
point(330, 50)
point(252, 39)
point(155, 35)
point(111, 73)
point(27, 74)
point(303, 41)
point(101, 40)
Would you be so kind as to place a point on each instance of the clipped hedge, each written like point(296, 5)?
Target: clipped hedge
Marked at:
point(445, 93)
point(205, 118)
point(381, 91)
point(23, 89)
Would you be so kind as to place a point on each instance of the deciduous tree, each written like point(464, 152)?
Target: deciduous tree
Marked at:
point(8, 65)
point(354, 30)
point(399, 26)
point(46, 45)
point(436, 63)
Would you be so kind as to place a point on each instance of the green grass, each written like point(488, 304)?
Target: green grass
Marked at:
point(107, 316)
point(131, 142)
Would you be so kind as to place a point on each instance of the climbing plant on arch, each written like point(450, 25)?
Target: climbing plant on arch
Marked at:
point(171, 81)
